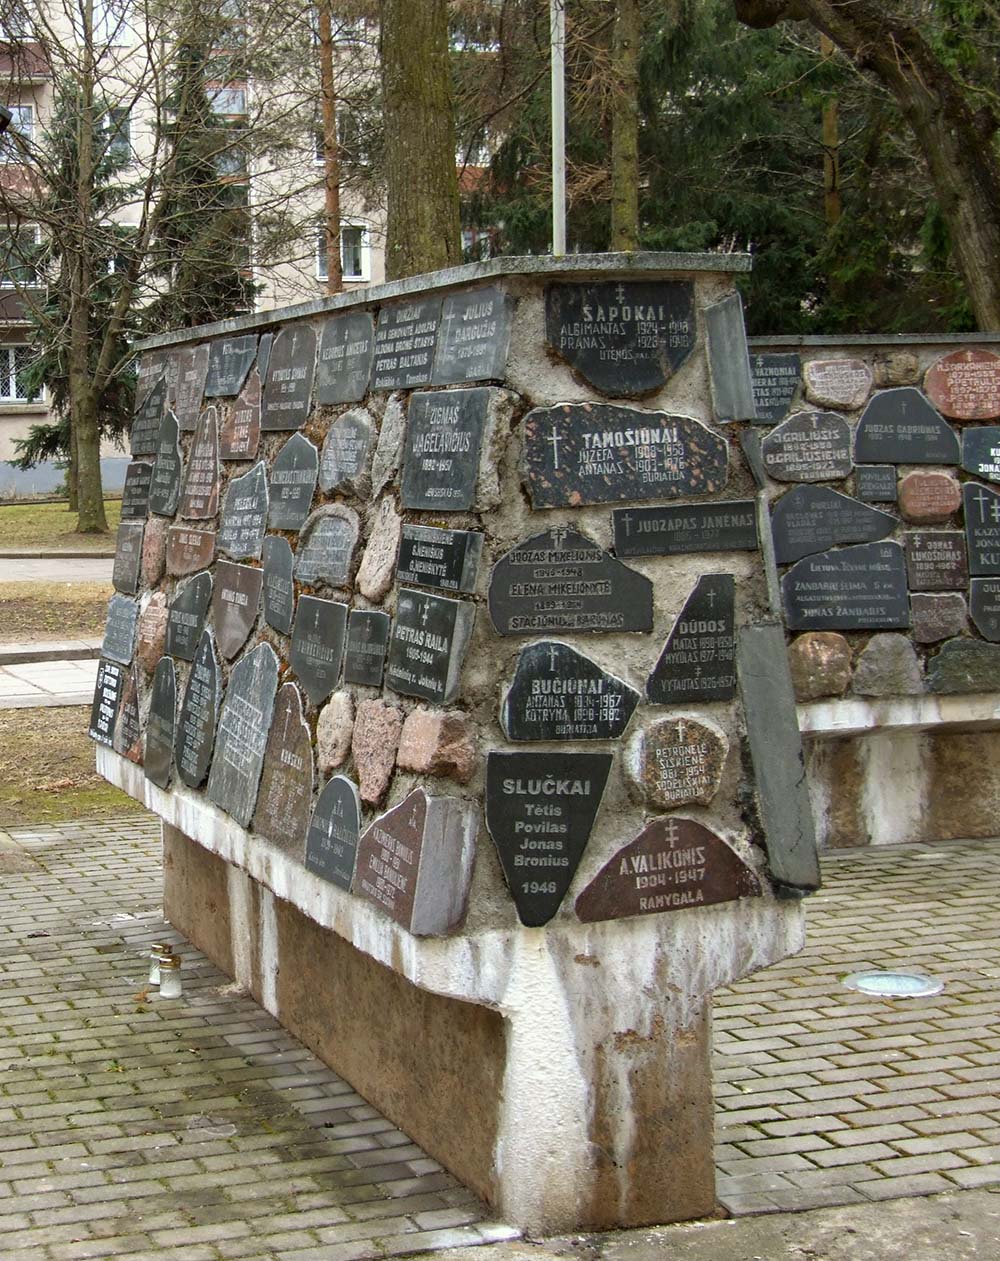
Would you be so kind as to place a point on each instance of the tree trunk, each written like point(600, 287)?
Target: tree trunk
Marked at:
point(72, 473)
point(423, 229)
point(90, 494)
point(957, 143)
point(331, 153)
point(832, 202)
point(625, 128)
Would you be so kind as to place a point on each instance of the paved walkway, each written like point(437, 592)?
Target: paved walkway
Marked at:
point(188, 1130)
point(826, 1096)
point(56, 568)
point(33, 684)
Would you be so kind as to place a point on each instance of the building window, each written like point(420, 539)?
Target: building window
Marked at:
point(477, 246)
point(119, 135)
point(229, 102)
point(14, 23)
point(23, 122)
point(19, 250)
point(353, 252)
point(13, 362)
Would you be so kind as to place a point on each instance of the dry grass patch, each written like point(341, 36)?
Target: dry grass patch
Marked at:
point(31, 612)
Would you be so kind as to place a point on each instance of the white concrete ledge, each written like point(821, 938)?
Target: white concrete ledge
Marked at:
point(853, 716)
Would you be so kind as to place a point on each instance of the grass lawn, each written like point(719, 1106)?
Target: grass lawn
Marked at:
point(31, 611)
point(52, 528)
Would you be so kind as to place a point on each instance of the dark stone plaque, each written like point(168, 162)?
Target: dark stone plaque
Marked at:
point(813, 518)
point(901, 427)
point(189, 550)
point(982, 528)
point(135, 492)
point(559, 694)
point(229, 361)
point(984, 605)
point(624, 337)
point(728, 359)
point(405, 338)
point(152, 368)
point(128, 557)
point(107, 699)
point(596, 453)
point(146, 421)
point(445, 559)
point(444, 438)
point(345, 449)
point(981, 451)
point(334, 833)
point(128, 731)
point(936, 560)
point(809, 447)
point(158, 757)
point(244, 515)
point(560, 580)
point(698, 662)
point(346, 348)
point(195, 738)
point(279, 589)
point(966, 384)
point(427, 648)
point(242, 735)
point(852, 588)
point(120, 629)
point(189, 388)
point(775, 380)
point(239, 436)
point(540, 812)
point(329, 540)
point(672, 864)
point(287, 396)
point(318, 645)
point(367, 645)
point(264, 353)
point(474, 337)
point(235, 605)
point(284, 802)
point(200, 499)
point(293, 483)
point(673, 531)
point(165, 488)
point(876, 483)
point(186, 618)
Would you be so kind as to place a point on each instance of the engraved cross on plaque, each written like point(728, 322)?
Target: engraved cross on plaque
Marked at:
point(627, 518)
point(558, 536)
point(982, 499)
point(425, 613)
point(553, 654)
point(554, 441)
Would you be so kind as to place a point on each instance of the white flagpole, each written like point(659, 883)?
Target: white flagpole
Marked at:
point(557, 32)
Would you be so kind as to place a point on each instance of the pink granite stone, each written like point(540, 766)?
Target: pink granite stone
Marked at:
point(377, 728)
point(438, 742)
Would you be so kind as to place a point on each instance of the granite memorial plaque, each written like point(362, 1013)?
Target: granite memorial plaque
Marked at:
point(623, 337)
point(128, 557)
point(200, 499)
point(729, 360)
point(120, 630)
point(560, 580)
point(107, 700)
point(284, 802)
point(279, 588)
point(775, 380)
point(334, 833)
point(128, 739)
point(982, 529)
point(838, 382)
point(148, 415)
point(540, 812)
point(158, 756)
point(186, 618)
point(851, 588)
point(244, 722)
point(901, 427)
point(287, 396)
point(813, 518)
point(676, 762)
point(672, 864)
point(135, 492)
point(444, 439)
point(367, 645)
point(876, 483)
point(445, 559)
point(681, 529)
point(981, 451)
point(346, 348)
point(264, 353)
point(189, 389)
point(244, 515)
point(165, 487)
point(936, 560)
point(405, 339)
point(293, 483)
point(809, 447)
point(318, 645)
point(189, 550)
point(428, 643)
point(474, 338)
point(152, 368)
point(984, 605)
point(966, 384)
point(239, 436)
point(346, 449)
point(329, 541)
point(235, 605)
point(195, 737)
point(229, 361)
point(596, 453)
point(698, 661)
point(559, 694)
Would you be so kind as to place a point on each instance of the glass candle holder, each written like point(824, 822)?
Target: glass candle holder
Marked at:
point(156, 951)
point(170, 976)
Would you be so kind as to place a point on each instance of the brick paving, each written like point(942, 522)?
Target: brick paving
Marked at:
point(825, 1096)
point(189, 1130)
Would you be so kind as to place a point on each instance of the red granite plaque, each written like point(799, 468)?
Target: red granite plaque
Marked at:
point(966, 384)
point(189, 550)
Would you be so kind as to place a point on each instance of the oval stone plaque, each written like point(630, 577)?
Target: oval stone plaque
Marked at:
point(329, 541)
point(966, 384)
point(346, 449)
point(809, 447)
point(334, 833)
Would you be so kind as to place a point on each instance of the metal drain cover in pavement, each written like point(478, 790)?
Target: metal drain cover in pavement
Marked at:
point(894, 984)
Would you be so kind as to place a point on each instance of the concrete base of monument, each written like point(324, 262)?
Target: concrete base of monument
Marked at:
point(562, 1073)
